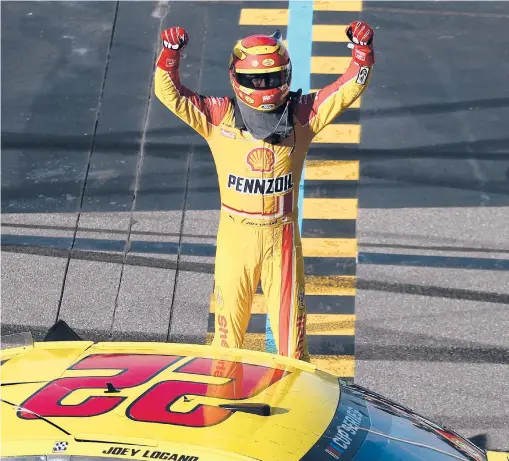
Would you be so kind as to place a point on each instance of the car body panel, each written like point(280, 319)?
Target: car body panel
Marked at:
point(25, 362)
point(66, 383)
point(150, 401)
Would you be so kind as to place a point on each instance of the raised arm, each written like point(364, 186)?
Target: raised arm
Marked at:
point(199, 112)
point(323, 107)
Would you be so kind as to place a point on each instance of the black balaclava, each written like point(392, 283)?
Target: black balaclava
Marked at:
point(264, 125)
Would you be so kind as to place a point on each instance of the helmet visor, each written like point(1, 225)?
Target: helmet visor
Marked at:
point(260, 81)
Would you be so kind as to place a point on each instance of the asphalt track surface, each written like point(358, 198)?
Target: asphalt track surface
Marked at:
point(91, 160)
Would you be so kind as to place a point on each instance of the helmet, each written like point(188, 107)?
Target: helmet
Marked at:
point(261, 71)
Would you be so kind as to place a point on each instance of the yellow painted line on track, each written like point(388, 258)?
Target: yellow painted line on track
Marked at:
point(326, 324)
point(330, 285)
point(337, 5)
point(333, 170)
point(330, 208)
point(329, 64)
point(263, 16)
point(338, 365)
point(339, 133)
point(330, 324)
point(330, 33)
point(329, 247)
point(497, 455)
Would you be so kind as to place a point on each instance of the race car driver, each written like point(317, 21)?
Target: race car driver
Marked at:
point(259, 140)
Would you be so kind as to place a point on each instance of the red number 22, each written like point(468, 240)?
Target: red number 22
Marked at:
point(154, 405)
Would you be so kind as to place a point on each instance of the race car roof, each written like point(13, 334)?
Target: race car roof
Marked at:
point(161, 398)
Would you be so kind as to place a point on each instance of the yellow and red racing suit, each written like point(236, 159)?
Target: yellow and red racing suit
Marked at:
point(258, 236)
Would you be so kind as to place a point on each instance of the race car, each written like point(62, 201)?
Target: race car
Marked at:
point(67, 399)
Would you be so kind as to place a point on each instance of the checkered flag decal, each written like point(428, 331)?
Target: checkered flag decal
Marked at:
point(59, 447)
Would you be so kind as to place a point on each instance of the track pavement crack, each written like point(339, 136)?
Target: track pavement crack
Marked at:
point(92, 147)
point(139, 166)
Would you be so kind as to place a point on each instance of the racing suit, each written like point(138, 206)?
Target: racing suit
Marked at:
point(258, 236)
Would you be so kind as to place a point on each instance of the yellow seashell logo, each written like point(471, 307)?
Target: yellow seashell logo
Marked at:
point(261, 159)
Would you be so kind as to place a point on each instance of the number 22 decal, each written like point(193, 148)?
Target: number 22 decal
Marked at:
point(154, 405)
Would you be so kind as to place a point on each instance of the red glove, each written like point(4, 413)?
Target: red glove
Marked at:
point(361, 35)
point(175, 38)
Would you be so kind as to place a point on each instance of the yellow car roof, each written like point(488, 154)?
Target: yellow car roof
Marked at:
point(161, 401)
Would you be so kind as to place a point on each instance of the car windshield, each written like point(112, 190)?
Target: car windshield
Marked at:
point(367, 427)
point(400, 440)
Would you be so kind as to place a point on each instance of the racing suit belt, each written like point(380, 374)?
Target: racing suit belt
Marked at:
point(257, 222)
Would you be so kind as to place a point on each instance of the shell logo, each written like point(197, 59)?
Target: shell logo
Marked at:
point(261, 159)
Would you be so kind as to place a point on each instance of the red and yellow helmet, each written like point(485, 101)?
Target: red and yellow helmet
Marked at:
point(261, 71)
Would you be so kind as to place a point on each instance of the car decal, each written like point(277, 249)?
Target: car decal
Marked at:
point(152, 454)
point(135, 369)
point(154, 405)
point(343, 437)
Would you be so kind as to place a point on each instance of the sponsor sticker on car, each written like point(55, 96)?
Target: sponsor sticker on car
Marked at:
point(344, 435)
point(151, 454)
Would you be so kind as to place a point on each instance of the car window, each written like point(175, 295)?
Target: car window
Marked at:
point(367, 427)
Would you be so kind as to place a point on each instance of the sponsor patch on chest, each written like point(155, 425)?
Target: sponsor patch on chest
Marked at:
point(260, 186)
